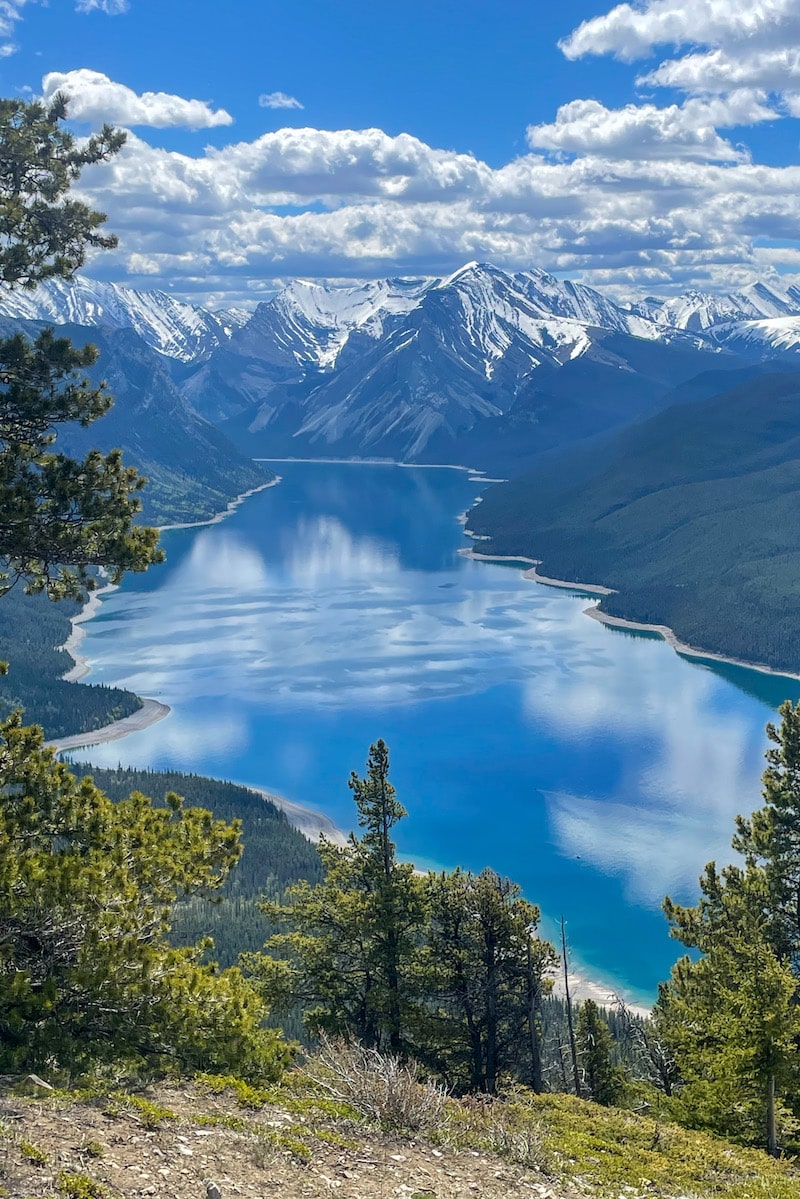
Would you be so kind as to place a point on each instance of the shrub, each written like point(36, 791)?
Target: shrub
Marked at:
point(380, 1088)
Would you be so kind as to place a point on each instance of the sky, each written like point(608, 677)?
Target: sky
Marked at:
point(641, 148)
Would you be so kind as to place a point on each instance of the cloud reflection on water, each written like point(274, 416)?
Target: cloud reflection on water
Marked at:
point(330, 620)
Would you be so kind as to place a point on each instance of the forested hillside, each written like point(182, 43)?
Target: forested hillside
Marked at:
point(691, 517)
point(31, 630)
point(275, 855)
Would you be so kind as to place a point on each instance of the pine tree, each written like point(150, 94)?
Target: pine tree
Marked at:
point(483, 973)
point(354, 935)
point(87, 889)
point(58, 516)
point(731, 1017)
point(771, 836)
point(604, 1082)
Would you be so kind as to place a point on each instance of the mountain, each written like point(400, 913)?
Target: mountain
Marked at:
point(690, 516)
point(484, 366)
point(412, 369)
point(192, 468)
point(173, 328)
point(699, 311)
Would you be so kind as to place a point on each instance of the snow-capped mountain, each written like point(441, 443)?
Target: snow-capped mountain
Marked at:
point(397, 368)
point(409, 368)
point(699, 311)
point(176, 329)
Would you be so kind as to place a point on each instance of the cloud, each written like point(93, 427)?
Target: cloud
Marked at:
point(10, 16)
point(721, 71)
point(278, 100)
point(645, 131)
point(358, 203)
point(630, 32)
point(95, 98)
point(111, 7)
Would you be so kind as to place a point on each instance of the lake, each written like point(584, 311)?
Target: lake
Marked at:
point(594, 766)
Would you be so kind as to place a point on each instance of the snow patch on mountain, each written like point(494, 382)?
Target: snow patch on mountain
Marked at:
point(174, 328)
point(698, 311)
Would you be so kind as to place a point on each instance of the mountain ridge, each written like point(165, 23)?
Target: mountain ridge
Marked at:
point(412, 368)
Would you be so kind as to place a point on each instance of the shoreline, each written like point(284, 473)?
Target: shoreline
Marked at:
point(150, 712)
point(308, 821)
point(80, 664)
point(681, 647)
point(477, 473)
point(619, 622)
point(226, 512)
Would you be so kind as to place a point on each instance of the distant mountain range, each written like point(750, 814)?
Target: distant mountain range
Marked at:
point(665, 434)
point(482, 367)
point(173, 328)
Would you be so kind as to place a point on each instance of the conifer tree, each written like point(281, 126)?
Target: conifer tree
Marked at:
point(602, 1080)
point(483, 973)
point(354, 935)
point(58, 516)
point(731, 1017)
point(771, 836)
point(87, 889)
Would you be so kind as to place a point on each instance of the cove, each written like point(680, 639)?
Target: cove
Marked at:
point(594, 766)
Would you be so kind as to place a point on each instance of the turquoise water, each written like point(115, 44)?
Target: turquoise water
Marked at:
point(596, 767)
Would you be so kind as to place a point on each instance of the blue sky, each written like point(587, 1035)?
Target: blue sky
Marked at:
point(641, 148)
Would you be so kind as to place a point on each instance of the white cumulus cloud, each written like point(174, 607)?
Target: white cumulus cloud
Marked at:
point(358, 203)
point(687, 131)
point(278, 100)
point(96, 98)
point(630, 32)
point(722, 71)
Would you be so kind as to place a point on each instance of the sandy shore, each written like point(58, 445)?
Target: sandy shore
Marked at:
point(680, 647)
point(150, 712)
point(232, 506)
point(618, 622)
point(81, 666)
point(310, 823)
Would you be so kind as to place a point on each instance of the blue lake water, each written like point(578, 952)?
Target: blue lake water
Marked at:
point(596, 767)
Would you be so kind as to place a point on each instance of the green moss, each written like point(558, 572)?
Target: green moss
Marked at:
point(234, 1123)
point(33, 1153)
point(307, 1104)
point(246, 1094)
point(80, 1186)
point(152, 1115)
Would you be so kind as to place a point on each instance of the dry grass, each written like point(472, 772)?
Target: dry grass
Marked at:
point(379, 1087)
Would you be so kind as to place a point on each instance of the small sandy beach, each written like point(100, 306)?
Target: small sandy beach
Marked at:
point(232, 506)
point(150, 712)
point(310, 823)
point(680, 647)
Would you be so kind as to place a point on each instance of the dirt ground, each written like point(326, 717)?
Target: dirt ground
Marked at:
point(54, 1147)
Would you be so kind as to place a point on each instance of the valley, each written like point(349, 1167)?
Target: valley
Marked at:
point(336, 607)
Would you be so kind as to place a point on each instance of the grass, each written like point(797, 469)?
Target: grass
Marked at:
point(610, 1152)
point(570, 1145)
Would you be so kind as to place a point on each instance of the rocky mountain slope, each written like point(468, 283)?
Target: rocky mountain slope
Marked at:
point(690, 516)
point(195, 1141)
point(483, 366)
point(192, 468)
point(174, 328)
